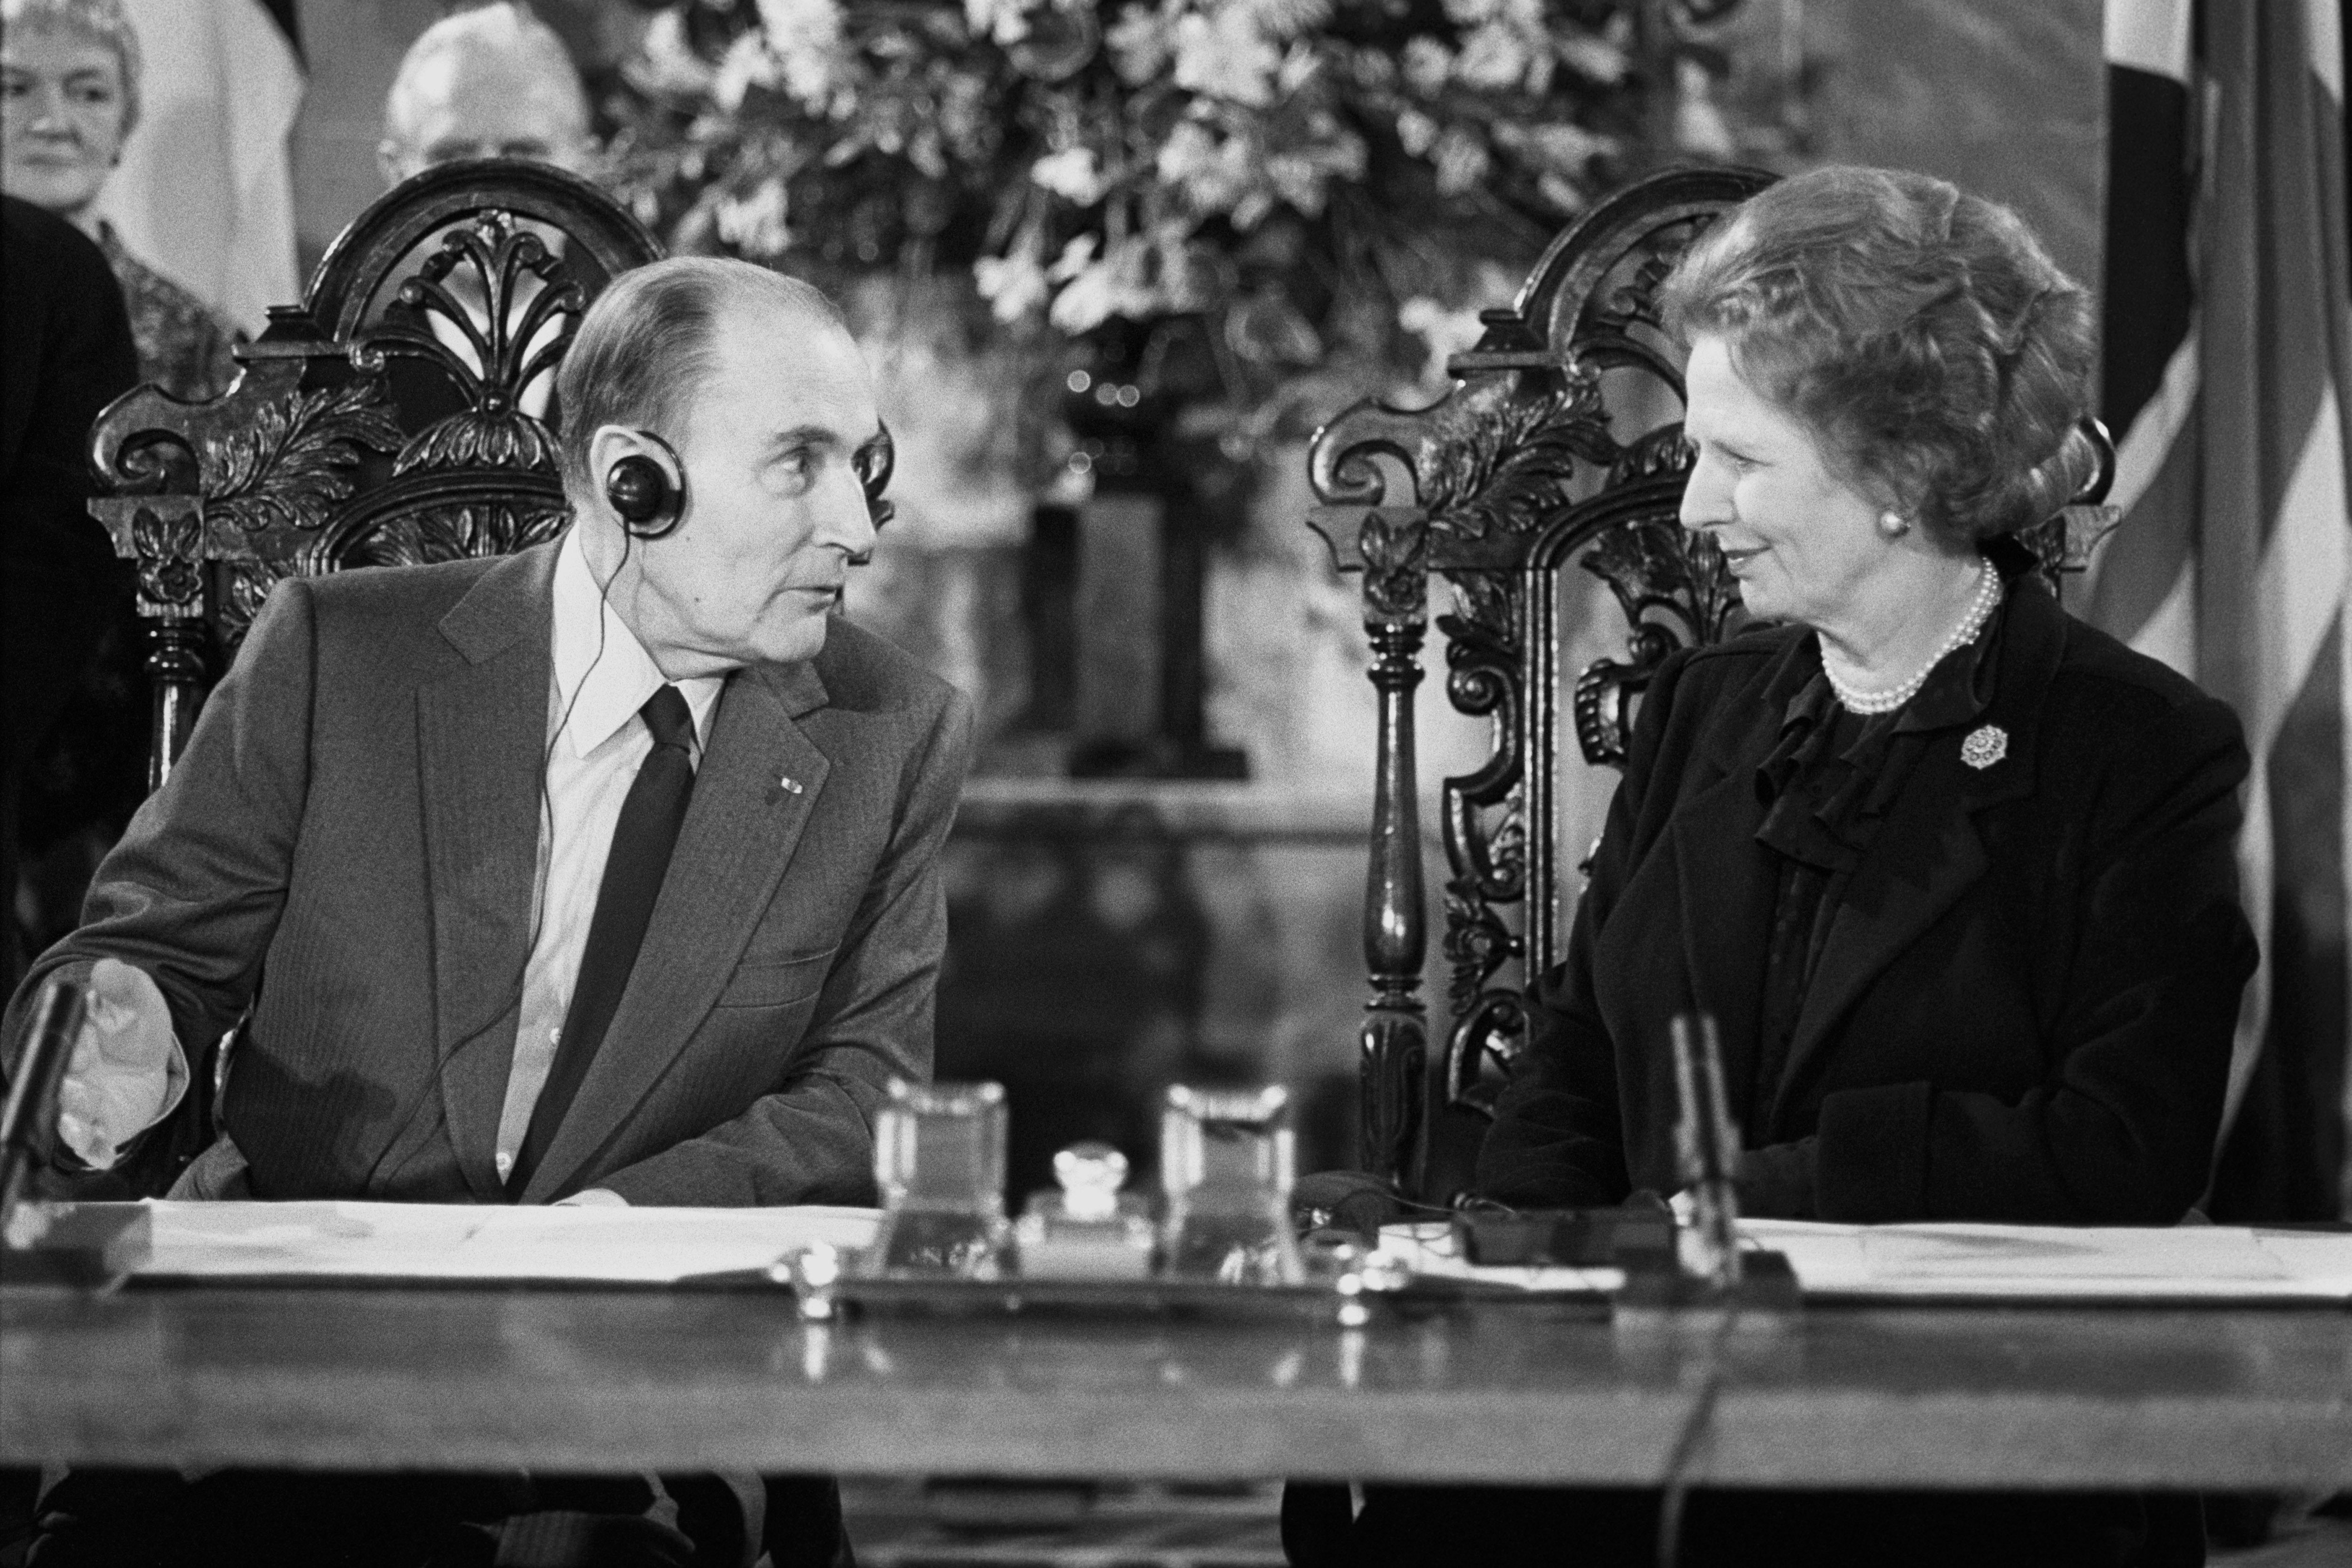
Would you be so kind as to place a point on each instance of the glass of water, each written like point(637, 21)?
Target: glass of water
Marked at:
point(939, 1159)
point(1227, 1159)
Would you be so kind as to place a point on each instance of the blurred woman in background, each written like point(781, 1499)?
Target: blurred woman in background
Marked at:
point(69, 100)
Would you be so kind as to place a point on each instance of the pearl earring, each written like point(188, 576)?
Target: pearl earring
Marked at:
point(1894, 524)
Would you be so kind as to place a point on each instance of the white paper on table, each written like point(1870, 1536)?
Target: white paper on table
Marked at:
point(1428, 1248)
point(2053, 1262)
point(469, 1241)
point(1985, 1262)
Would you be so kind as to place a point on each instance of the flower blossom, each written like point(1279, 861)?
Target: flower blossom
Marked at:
point(754, 222)
point(805, 37)
point(1075, 174)
point(750, 63)
point(999, 21)
point(1012, 285)
point(1142, 41)
point(1227, 57)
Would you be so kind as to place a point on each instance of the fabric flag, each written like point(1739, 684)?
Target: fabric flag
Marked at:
point(2226, 366)
point(204, 193)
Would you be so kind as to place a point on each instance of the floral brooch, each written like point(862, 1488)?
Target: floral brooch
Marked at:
point(1985, 746)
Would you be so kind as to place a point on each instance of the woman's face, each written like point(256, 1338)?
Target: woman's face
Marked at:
point(61, 105)
point(1803, 543)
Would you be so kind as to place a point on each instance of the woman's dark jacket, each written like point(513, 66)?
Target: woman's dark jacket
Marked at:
point(2024, 993)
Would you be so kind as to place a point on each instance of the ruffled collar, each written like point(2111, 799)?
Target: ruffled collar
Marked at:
point(1833, 775)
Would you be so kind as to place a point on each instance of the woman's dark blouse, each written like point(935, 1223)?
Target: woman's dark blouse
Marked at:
point(1946, 991)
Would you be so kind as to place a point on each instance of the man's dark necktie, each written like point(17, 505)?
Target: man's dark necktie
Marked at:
point(642, 841)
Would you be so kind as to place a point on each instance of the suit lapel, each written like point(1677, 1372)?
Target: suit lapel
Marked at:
point(480, 738)
point(741, 830)
point(1929, 850)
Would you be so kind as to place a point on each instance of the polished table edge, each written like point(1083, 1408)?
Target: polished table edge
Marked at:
point(602, 1381)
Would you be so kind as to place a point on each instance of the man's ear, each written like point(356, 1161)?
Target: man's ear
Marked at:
point(388, 163)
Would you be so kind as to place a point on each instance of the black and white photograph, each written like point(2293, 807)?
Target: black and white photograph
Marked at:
point(1176, 784)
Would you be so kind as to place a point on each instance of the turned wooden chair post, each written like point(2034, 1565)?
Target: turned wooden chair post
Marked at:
point(1394, 1038)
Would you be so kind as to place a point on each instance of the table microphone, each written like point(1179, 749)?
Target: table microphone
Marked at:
point(58, 1009)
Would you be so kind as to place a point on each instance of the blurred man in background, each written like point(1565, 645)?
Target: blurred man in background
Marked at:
point(494, 82)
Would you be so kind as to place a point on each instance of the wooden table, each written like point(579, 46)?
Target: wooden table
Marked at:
point(624, 1380)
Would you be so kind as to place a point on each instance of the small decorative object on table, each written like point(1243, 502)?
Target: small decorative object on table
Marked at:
point(1088, 1229)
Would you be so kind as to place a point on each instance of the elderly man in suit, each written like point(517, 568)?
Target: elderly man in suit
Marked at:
point(602, 873)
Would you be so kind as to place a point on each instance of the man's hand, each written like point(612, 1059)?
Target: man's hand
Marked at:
point(594, 1197)
point(120, 1075)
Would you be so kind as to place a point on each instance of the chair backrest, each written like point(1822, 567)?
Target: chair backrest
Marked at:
point(394, 416)
point(1560, 444)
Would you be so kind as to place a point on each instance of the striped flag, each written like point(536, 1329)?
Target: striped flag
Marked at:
point(2226, 369)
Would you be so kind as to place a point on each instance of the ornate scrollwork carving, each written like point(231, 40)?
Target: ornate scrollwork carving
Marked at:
point(287, 470)
point(493, 308)
point(506, 440)
point(170, 546)
point(456, 533)
point(1395, 553)
point(1510, 473)
point(1486, 843)
point(1655, 568)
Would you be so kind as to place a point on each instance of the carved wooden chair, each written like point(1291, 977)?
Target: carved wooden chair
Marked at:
point(385, 419)
point(1558, 447)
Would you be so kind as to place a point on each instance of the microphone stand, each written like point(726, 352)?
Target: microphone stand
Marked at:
point(58, 1009)
point(68, 1244)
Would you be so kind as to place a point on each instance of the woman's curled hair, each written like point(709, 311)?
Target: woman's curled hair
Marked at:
point(1939, 356)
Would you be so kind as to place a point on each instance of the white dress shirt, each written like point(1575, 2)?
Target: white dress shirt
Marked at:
point(595, 743)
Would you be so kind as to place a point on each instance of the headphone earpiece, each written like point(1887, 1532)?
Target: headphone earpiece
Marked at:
point(650, 503)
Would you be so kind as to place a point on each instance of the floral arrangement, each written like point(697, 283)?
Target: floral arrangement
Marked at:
point(1319, 190)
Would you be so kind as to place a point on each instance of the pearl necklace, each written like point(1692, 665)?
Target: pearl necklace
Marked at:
point(1889, 698)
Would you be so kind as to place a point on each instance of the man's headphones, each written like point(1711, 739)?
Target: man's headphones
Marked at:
point(651, 504)
point(650, 501)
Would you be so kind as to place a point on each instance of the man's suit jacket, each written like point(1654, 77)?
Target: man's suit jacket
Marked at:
point(2023, 1006)
point(349, 848)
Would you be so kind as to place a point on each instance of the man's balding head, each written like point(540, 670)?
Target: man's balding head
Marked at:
point(650, 340)
point(492, 82)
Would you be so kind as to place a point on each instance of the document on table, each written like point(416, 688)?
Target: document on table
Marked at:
point(330, 1240)
point(1987, 1263)
point(2053, 1262)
